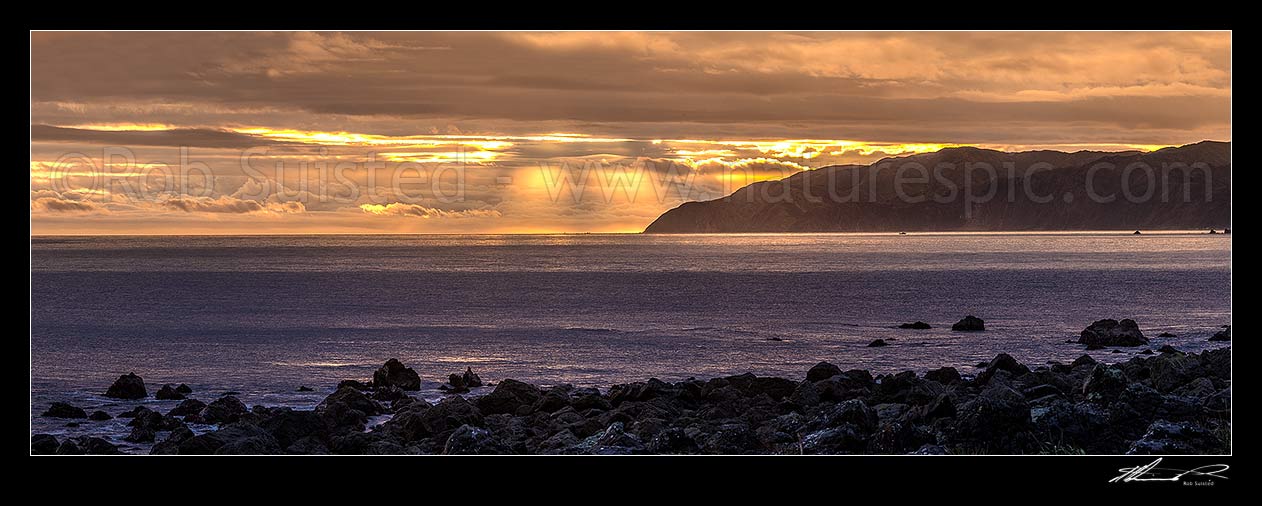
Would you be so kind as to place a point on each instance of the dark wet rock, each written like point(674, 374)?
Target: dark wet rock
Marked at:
point(731, 439)
point(1166, 334)
point(171, 445)
point(877, 343)
point(471, 378)
point(73, 424)
point(99, 416)
point(776, 339)
point(388, 393)
point(141, 434)
point(919, 325)
point(1218, 404)
point(395, 373)
point(996, 419)
point(1111, 332)
point(509, 395)
point(587, 400)
point(168, 393)
point(1146, 352)
point(469, 440)
point(1001, 362)
point(187, 407)
point(288, 426)
point(1165, 438)
point(1084, 360)
point(1165, 348)
point(347, 409)
point(44, 444)
point(969, 323)
point(357, 385)
point(184, 389)
point(614, 440)
point(69, 447)
point(1104, 383)
point(944, 375)
point(805, 395)
point(931, 449)
point(127, 386)
point(553, 399)
point(226, 409)
point(308, 446)
point(822, 371)
point(843, 439)
point(1222, 335)
point(303, 388)
point(64, 410)
point(673, 440)
point(242, 438)
point(455, 384)
point(940, 407)
point(854, 412)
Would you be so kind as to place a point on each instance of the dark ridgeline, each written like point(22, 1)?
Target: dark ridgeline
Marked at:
point(821, 200)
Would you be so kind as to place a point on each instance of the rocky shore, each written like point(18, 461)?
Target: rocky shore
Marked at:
point(1165, 403)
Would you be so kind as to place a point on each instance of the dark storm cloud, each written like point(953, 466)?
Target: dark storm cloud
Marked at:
point(191, 137)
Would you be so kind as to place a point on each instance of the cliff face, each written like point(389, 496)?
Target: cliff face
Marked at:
point(971, 189)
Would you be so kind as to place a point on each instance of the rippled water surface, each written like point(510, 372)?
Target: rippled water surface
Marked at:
point(264, 315)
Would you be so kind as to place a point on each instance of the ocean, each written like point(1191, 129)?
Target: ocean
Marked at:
point(263, 315)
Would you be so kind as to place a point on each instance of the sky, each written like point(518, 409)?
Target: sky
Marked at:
point(545, 132)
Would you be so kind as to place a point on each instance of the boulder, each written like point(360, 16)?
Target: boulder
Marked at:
point(877, 343)
point(1105, 383)
point(127, 386)
point(357, 385)
point(1111, 332)
point(241, 438)
point(919, 325)
point(1166, 334)
point(822, 371)
point(1167, 438)
point(184, 389)
point(614, 440)
point(287, 426)
point(944, 375)
point(187, 407)
point(64, 410)
point(1222, 335)
point(456, 384)
point(1165, 348)
point(304, 388)
point(347, 409)
point(395, 373)
point(970, 323)
point(471, 379)
point(141, 434)
point(168, 393)
point(1001, 362)
point(996, 420)
point(226, 409)
point(469, 440)
point(99, 416)
point(171, 445)
point(673, 441)
point(44, 444)
point(509, 395)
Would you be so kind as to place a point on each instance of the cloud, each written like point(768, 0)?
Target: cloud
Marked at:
point(64, 205)
point(231, 205)
point(420, 211)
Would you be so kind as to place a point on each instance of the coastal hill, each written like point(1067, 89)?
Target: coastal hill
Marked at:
point(951, 190)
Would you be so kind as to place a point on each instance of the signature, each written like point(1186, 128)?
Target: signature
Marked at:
point(1151, 472)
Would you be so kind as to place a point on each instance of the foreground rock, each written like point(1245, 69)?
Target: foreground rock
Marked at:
point(1222, 335)
point(1162, 403)
point(1112, 333)
point(396, 374)
point(63, 410)
point(970, 323)
point(127, 386)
